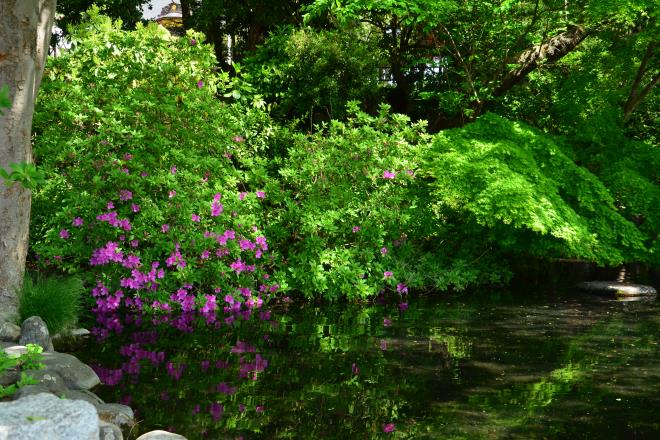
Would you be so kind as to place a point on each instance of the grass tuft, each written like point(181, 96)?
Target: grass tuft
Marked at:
point(57, 300)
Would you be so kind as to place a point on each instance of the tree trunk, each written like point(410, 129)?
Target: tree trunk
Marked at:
point(25, 30)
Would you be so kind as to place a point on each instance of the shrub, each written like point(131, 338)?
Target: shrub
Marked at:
point(520, 187)
point(28, 361)
point(57, 300)
point(154, 187)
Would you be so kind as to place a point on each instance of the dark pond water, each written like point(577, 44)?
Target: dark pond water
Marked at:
point(480, 366)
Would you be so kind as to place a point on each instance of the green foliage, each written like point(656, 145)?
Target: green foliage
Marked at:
point(128, 126)
point(25, 173)
point(354, 207)
point(312, 75)
point(56, 300)
point(522, 186)
point(4, 99)
point(28, 361)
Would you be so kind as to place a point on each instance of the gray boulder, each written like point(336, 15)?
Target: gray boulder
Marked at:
point(9, 377)
point(35, 331)
point(9, 332)
point(76, 374)
point(30, 390)
point(160, 435)
point(85, 395)
point(108, 431)
point(44, 416)
point(117, 414)
point(51, 380)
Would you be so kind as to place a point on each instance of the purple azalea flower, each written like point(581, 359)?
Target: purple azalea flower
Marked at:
point(125, 195)
point(77, 222)
point(165, 228)
point(383, 250)
point(261, 195)
point(387, 322)
point(196, 218)
point(64, 234)
point(403, 306)
point(356, 229)
point(388, 428)
point(388, 175)
point(173, 169)
point(388, 274)
point(200, 84)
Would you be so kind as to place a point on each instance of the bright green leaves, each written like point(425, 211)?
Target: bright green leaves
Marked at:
point(513, 179)
point(24, 173)
point(4, 99)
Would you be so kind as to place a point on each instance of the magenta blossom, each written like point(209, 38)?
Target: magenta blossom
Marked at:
point(64, 233)
point(402, 288)
point(196, 218)
point(388, 428)
point(383, 250)
point(387, 322)
point(173, 169)
point(172, 194)
point(388, 274)
point(77, 222)
point(165, 228)
point(388, 175)
point(238, 138)
point(125, 195)
point(356, 229)
point(403, 306)
point(242, 195)
point(200, 84)
point(261, 195)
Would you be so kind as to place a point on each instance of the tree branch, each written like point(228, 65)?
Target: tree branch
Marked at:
point(636, 96)
point(555, 49)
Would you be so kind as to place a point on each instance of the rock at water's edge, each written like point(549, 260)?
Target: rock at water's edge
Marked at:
point(76, 375)
point(160, 435)
point(44, 416)
point(108, 431)
point(35, 331)
point(117, 414)
point(9, 332)
point(616, 288)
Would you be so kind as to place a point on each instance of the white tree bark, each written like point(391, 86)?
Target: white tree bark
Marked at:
point(25, 29)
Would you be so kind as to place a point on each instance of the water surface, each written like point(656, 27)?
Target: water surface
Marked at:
point(480, 366)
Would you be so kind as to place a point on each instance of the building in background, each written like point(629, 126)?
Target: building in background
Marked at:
point(171, 18)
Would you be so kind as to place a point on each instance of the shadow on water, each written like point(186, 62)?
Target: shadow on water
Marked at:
point(485, 366)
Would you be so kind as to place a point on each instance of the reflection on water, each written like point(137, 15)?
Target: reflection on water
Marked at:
point(485, 366)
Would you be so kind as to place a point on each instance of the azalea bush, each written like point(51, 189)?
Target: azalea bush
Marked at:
point(154, 187)
point(355, 213)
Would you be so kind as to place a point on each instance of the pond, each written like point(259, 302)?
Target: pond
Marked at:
point(482, 365)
